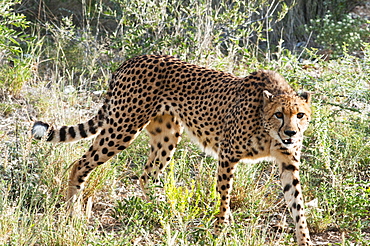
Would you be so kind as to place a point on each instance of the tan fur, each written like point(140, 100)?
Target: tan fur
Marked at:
point(252, 118)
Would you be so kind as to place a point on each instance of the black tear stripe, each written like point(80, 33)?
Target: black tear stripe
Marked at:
point(62, 134)
point(82, 130)
point(281, 127)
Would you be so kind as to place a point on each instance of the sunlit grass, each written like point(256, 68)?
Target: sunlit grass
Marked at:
point(34, 175)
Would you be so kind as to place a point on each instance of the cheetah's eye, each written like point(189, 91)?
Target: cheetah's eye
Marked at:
point(279, 115)
point(300, 115)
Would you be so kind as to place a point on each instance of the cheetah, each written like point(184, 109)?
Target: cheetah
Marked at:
point(258, 117)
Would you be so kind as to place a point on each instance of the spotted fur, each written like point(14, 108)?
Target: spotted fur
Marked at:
point(253, 118)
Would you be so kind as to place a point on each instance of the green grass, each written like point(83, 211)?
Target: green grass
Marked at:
point(335, 160)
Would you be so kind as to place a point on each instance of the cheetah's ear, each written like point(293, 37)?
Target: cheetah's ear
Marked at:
point(267, 97)
point(306, 96)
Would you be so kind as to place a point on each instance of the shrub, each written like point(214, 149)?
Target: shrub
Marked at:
point(347, 34)
point(15, 65)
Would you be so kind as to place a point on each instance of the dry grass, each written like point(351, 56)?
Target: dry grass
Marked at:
point(66, 89)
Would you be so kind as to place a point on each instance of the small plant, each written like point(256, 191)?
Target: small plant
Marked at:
point(182, 199)
point(136, 212)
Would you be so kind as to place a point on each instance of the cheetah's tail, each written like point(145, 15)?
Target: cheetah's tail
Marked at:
point(67, 133)
point(72, 133)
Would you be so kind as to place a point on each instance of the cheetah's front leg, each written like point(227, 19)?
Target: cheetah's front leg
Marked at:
point(289, 174)
point(225, 177)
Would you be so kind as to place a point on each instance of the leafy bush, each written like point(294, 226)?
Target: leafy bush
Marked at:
point(346, 34)
point(12, 26)
point(15, 67)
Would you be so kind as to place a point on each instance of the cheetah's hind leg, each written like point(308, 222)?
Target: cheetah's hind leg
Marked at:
point(165, 133)
point(104, 147)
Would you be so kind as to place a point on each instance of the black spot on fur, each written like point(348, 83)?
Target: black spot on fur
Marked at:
point(71, 132)
point(287, 187)
point(82, 130)
point(62, 134)
point(296, 193)
point(126, 139)
point(234, 160)
point(297, 218)
point(291, 167)
point(121, 147)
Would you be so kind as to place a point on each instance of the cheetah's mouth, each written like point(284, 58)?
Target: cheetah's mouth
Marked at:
point(287, 141)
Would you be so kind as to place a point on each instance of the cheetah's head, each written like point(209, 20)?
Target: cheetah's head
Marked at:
point(286, 117)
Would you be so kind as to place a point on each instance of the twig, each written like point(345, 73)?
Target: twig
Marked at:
point(343, 107)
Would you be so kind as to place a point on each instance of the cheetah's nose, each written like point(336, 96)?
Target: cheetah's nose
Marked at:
point(290, 133)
